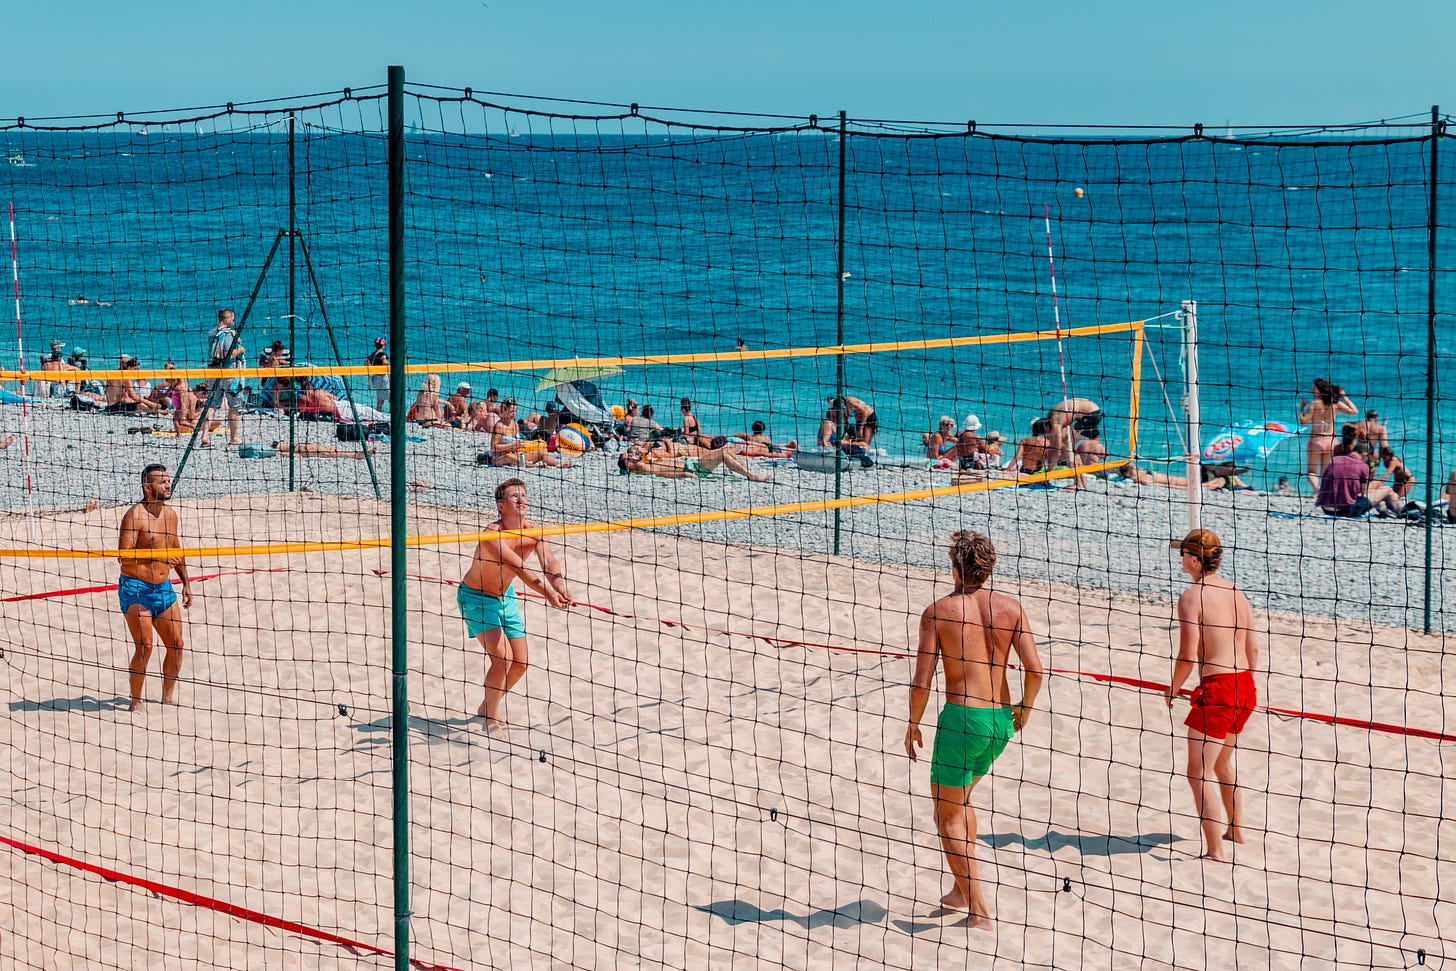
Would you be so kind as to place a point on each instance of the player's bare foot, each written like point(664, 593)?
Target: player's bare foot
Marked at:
point(495, 724)
point(136, 705)
point(169, 699)
point(975, 922)
point(955, 900)
point(1214, 856)
point(1234, 835)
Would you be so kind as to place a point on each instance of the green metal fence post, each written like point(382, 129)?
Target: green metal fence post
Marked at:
point(397, 525)
point(839, 423)
point(1437, 130)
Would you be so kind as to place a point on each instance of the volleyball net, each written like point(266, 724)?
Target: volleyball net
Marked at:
point(753, 373)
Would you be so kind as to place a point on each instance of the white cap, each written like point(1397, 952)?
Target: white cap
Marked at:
point(972, 424)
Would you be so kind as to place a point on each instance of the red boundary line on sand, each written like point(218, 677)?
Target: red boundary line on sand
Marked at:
point(1372, 726)
point(232, 910)
point(78, 591)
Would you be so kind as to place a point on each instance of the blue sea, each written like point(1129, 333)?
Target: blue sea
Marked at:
point(1307, 258)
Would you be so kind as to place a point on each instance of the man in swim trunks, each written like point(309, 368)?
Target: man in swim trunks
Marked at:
point(1216, 633)
point(864, 422)
point(488, 603)
point(147, 599)
point(971, 632)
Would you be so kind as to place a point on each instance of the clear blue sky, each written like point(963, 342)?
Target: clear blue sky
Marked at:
point(1136, 61)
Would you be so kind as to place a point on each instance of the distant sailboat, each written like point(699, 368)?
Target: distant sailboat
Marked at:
point(1229, 132)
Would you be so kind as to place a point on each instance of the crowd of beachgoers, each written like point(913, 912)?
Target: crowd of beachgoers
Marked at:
point(1353, 467)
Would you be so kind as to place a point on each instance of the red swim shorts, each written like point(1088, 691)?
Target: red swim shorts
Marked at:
point(1222, 704)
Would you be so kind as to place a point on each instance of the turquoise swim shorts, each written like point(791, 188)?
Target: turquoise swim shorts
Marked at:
point(482, 612)
point(967, 741)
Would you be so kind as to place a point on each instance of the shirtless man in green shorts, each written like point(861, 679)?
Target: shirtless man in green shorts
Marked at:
point(971, 631)
point(488, 603)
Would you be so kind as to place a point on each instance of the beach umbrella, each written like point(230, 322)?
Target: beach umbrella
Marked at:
point(577, 372)
point(1246, 441)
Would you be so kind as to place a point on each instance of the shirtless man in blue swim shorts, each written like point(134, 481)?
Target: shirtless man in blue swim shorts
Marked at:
point(146, 596)
point(971, 632)
point(488, 602)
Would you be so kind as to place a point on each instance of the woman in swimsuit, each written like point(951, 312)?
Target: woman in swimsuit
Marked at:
point(426, 410)
point(1330, 400)
point(941, 442)
point(692, 431)
point(1401, 481)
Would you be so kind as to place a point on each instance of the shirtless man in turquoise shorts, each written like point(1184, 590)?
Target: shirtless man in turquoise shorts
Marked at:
point(488, 602)
point(146, 596)
point(971, 631)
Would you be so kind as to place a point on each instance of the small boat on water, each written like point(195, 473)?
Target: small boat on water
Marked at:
point(18, 160)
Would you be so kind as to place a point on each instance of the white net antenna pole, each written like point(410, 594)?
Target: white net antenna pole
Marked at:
point(1190, 405)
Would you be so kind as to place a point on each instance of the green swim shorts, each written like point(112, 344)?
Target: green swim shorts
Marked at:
point(967, 741)
point(696, 468)
point(482, 612)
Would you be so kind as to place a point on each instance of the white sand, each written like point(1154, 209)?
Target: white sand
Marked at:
point(708, 799)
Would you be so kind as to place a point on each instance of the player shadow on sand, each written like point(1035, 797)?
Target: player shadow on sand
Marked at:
point(1083, 844)
point(432, 731)
point(743, 912)
point(85, 703)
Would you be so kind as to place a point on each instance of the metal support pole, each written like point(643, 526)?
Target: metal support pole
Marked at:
point(1190, 405)
point(1438, 128)
point(292, 317)
point(839, 424)
point(339, 360)
point(214, 386)
point(399, 682)
point(293, 264)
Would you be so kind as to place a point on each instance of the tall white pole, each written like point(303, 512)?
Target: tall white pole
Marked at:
point(1190, 405)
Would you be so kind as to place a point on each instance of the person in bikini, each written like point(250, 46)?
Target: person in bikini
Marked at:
point(507, 448)
point(1035, 453)
point(487, 598)
point(1216, 635)
point(1402, 482)
point(941, 443)
point(1319, 414)
point(758, 444)
point(679, 461)
point(692, 429)
point(146, 597)
point(971, 633)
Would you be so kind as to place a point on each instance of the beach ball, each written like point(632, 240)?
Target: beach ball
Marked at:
point(573, 439)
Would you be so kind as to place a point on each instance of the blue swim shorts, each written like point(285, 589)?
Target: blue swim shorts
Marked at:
point(967, 741)
point(155, 597)
point(482, 612)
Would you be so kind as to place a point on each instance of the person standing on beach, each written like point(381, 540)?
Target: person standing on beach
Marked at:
point(1329, 400)
point(379, 383)
point(146, 596)
point(487, 599)
point(1216, 634)
point(971, 632)
point(225, 350)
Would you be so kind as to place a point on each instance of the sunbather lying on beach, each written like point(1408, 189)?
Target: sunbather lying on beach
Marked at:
point(679, 461)
point(757, 444)
point(1215, 477)
point(307, 450)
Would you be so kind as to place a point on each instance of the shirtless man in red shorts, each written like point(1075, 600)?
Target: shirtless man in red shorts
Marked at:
point(1217, 634)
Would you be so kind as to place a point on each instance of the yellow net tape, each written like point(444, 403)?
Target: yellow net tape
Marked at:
point(714, 357)
point(565, 529)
